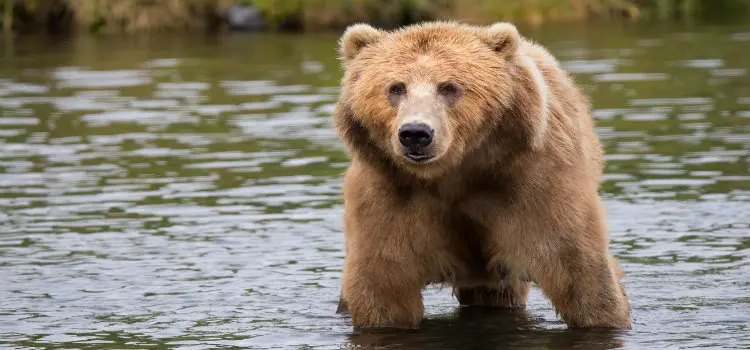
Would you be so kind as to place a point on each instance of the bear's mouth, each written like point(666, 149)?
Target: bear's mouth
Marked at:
point(418, 157)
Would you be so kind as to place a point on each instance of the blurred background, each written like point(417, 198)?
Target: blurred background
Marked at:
point(170, 178)
point(317, 15)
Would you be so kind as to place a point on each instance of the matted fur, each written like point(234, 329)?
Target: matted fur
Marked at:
point(512, 196)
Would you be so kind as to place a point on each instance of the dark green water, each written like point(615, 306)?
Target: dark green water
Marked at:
point(183, 192)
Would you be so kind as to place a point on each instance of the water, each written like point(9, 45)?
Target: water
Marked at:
point(184, 192)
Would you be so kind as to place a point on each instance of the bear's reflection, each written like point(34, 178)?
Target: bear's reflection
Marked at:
point(486, 328)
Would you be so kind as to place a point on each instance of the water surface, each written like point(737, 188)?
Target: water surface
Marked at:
point(184, 192)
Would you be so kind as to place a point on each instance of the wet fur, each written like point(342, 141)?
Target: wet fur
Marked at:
point(514, 198)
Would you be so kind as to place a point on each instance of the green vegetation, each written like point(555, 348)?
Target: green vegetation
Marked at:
point(312, 15)
point(113, 15)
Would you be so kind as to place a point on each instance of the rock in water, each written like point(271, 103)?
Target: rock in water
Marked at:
point(244, 17)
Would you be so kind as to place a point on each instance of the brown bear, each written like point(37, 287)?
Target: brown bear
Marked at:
point(474, 163)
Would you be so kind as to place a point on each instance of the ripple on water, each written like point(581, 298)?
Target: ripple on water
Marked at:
point(76, 77)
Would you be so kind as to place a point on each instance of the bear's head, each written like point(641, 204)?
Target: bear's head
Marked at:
point(425, 96)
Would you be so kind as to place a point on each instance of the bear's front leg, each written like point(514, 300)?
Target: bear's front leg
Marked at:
point(577, 273)
point(382, 293)
point(586, 293)
point(388, 241)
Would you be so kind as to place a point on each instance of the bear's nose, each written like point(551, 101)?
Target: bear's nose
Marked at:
point(415, 134)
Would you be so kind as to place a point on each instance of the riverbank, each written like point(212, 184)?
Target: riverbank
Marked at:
point(130, 16)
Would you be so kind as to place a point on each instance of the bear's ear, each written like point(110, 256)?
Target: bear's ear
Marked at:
point(502, 37)
point(356, 37)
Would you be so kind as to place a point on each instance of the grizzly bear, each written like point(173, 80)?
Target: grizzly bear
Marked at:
point(474, 163)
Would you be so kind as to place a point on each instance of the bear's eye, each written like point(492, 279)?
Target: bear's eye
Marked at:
point(450, 92)
point(397, 89)
point(447, 89)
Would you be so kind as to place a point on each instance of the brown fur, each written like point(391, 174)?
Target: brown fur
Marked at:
point(511, 197)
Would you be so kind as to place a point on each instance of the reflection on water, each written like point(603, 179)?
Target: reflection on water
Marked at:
point(481, 328)
point(184, 192)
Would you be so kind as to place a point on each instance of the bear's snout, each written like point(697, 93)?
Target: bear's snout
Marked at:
point(415, 134)
point(415, 137)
